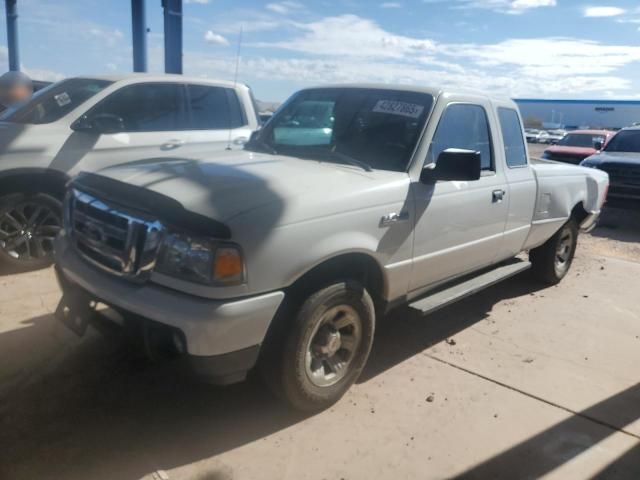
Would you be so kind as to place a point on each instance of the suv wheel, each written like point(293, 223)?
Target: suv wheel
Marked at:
point(325, 347)
point(28, 226)
point(552, 260)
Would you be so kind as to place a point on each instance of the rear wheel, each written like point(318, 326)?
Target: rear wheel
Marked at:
point(325, 347)
point(28, 226)
point(552, 260)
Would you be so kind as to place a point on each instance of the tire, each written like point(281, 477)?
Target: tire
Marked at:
point(28, 225)
point(324, 347)
point(551, 261)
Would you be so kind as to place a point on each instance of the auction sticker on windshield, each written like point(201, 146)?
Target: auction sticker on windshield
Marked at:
point(395, 107)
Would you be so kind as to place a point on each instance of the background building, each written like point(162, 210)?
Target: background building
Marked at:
point(579, 113)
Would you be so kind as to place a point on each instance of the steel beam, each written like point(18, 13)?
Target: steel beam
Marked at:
point(172, 36)
point(12, 34)
point(139, 35)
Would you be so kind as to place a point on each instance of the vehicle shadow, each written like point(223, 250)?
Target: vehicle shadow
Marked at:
point(563, 442)
point(101, 412)
point(619, 224)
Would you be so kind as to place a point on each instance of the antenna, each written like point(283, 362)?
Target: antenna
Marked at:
point(235, 81)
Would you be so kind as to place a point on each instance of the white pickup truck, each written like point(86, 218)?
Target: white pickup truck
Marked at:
point(88, 123)
point(350, 201)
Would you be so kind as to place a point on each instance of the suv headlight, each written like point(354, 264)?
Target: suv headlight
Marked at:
point(201, 260)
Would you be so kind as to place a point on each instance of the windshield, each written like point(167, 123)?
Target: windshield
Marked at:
point(585, 140)
point(625, 141)
point(374, 128)
point(55, 101)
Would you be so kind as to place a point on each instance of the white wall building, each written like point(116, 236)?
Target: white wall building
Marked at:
point(580, 113)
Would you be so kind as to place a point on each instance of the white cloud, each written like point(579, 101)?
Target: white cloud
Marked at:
point(215, 38)
point(350, 35)
point(603, 11)
point(538, 66)
point(390, 5)
point(514, 7)
point(284, 7)
point(110, 37)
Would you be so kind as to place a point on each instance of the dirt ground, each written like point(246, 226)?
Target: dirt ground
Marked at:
point(519, 381)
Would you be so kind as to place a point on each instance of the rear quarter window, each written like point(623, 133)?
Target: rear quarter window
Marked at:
point(515, 150)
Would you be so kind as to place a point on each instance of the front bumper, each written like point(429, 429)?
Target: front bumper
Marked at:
point(589, 223)
point(210, 328)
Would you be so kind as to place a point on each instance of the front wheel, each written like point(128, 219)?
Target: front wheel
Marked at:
point(325, 347)
point(551, 261)
point(28, 226)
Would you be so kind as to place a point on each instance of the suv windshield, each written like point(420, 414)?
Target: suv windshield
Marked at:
point(55, 101)
point(371, 128)
point(625, 141)
point(585, 140)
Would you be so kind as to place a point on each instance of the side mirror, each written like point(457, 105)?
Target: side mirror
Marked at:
point(454, 164)
point(597, 145)
point(100, 123)
point(107, 123)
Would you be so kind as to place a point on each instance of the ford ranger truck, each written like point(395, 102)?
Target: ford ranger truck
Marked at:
point(89, 123)
point(350, 201)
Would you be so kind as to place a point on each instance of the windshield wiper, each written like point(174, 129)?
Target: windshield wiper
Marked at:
point(345, 159)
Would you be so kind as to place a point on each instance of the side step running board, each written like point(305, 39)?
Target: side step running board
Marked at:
point(442, 298)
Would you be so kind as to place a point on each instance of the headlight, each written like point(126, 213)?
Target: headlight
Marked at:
point(201, 260)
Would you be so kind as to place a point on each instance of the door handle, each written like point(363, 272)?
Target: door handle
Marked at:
point(240, 140)
point(498, 195)
point(394, 217)
point(171, 144)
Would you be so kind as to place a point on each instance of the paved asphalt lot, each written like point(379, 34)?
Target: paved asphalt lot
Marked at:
point(519, 381)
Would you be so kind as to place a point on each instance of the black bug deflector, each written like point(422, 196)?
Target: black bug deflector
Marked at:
point(164, 208)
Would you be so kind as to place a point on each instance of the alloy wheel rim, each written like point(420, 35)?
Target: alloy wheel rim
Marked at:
point(27, 231)
point(563, 250)
point(333, 345)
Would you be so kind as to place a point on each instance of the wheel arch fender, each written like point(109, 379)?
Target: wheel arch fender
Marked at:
point(356, 261)
point(34, 180)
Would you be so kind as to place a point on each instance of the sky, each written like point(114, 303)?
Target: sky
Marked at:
point(519, 48)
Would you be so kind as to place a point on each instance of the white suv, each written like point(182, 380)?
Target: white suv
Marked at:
point(89, 123)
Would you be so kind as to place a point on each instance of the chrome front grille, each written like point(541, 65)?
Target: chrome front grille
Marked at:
point(111, 238)
point(622, 174)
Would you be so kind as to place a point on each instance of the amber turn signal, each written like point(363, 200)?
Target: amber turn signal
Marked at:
point(228, 265)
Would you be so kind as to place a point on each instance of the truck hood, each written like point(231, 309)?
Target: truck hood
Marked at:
point(574, 151)
point(630, 158)
point(230, 184)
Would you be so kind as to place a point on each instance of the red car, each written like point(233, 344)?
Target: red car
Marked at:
point(577, 145)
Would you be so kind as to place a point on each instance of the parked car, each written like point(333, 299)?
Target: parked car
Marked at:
point(577, 145)
point(555, 136)
point(621, 160)
point(532, 135)
point(89, 123)
point(285, 254)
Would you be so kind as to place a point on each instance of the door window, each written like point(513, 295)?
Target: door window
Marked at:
point(514, 149)
point(147, 107)
point(214, 108)
point(463, 126)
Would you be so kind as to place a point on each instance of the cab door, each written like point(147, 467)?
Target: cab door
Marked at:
point(459, 225)
point(142, 121)
point(218, 121)
point(522, 187)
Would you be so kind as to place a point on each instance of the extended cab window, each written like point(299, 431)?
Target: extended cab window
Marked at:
point(514, 149)
point(146, 107)
point(463, 126)
point(214, 108)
